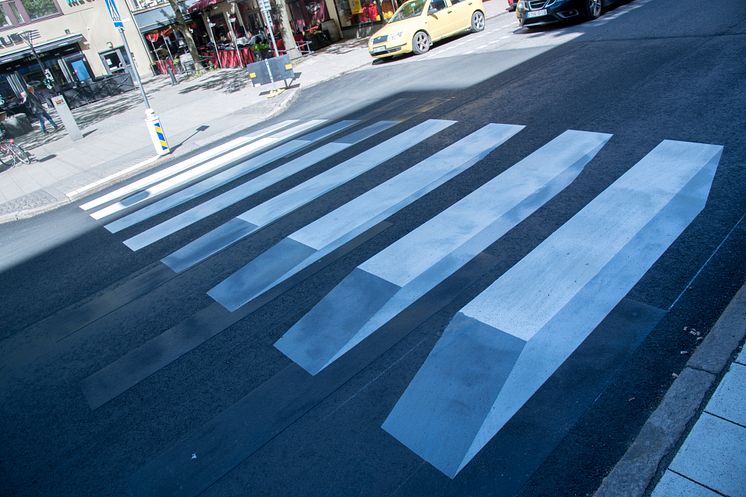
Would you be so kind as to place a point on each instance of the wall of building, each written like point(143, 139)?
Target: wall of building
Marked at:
point(90, 19)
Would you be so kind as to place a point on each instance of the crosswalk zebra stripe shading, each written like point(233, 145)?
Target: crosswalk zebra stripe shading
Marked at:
point(203, 169)
point(393, 279)
point(183, 165)
point(224, 177)
point(504, 344)
point(276, 207)
point(324, 235)
point(251, 187)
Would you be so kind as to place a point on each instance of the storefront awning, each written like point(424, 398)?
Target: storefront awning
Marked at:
point(157, 18)
point(25, 50)
point(202, 4)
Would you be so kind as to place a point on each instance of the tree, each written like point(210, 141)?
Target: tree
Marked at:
point(287, 33)
point(183, 28)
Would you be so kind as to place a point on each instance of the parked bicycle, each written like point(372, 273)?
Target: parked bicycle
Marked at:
point(11, 152)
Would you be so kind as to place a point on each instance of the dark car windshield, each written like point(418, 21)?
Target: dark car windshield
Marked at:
point(408, 10)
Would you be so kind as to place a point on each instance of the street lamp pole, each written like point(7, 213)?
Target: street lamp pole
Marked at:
point(28, 37)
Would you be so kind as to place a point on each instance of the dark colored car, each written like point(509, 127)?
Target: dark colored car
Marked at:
point(533, 12)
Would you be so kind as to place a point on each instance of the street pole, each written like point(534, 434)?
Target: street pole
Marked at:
point(28, 37)
point(157, 135)
point(266, 8)
point(133, 69)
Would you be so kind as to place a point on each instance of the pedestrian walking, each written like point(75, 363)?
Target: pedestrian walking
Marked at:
point(36, 106)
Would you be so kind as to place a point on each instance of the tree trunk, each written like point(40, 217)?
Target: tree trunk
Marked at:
point(287, 33)
point(182, 27)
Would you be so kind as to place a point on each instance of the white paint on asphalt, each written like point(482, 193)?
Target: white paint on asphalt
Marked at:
point(355, 217)
point(183, 165)
point(276, 207)
point(202, 170)
point(251, 187)
point(224, 177)
point(421, 260)
point(527, 323)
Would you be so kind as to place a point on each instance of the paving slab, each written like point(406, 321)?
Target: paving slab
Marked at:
point(714, 455)
point(729, 401)
point(674, 485)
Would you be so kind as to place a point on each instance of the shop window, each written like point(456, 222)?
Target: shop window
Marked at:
point(352, 12)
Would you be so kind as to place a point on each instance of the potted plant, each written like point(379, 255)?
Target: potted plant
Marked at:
point(261, 51)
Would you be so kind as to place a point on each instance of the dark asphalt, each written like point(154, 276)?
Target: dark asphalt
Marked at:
point(671, 69)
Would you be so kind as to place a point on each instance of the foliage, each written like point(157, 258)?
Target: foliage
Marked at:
point(39, 8)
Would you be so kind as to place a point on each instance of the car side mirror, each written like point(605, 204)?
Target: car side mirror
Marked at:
point(432, 10)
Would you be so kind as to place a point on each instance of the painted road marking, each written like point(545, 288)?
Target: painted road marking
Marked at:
point(201, 170)
point(503, 345)
point(274, 208)
point(226, 176)
point(312, 242)
point(183, 165)
point(396, 277)
point(251, 187)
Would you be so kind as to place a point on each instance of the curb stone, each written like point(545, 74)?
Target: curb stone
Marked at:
point(661, 433)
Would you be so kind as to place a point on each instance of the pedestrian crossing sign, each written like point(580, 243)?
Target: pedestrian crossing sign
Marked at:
point(111, 6)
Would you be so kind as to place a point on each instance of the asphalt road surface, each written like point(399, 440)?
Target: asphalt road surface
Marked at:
point(461, 274)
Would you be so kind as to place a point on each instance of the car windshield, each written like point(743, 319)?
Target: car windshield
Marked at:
point(408, 10)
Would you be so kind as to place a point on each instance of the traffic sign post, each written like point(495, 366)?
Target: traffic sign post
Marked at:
point(266, 9)
point(153, 123)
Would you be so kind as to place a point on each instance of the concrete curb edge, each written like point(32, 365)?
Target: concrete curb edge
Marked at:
point(671, 421)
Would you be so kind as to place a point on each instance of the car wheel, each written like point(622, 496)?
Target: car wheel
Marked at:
point(477, 21)
point(593, 8)
point(420, 42)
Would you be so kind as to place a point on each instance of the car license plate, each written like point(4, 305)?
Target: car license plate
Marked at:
point(536, 13)
point(378, 49)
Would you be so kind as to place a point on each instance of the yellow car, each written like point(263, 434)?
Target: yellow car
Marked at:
point(418, 23)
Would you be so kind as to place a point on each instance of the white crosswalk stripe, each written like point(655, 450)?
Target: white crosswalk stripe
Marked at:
point(418, 262)
point(201, 170)
point(156, 177)
point(224, 177)
point(503, 345)
point(274, 208)
point(243, 191)
point(326, 234)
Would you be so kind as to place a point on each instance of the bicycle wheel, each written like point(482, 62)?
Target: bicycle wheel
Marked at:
point(20, 154)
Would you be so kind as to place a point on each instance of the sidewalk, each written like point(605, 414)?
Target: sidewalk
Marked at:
point(711, 460)
point(193, 113)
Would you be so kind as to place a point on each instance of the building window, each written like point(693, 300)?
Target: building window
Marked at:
point(137, 5)
point(19, 12)
point(37, 9)
point(4, 20)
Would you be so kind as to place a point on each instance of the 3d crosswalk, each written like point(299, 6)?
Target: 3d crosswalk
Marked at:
point(501, 347)
point(256, 185)
point(196, 160)
point(276, 207)
point(386, 284)
point(321, 237)
point(226, 176)
point(200, 170)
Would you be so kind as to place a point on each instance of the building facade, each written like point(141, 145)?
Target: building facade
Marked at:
point(56, 43)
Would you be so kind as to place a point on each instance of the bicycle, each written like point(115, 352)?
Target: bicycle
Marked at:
point(15, 153)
